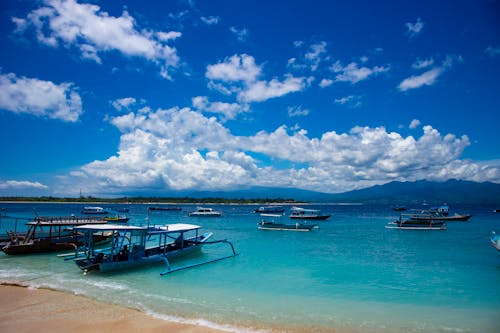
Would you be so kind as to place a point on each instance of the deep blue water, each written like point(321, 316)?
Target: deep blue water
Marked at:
point(351, 273)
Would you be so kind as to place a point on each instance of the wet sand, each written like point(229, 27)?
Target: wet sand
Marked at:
point(26, 310)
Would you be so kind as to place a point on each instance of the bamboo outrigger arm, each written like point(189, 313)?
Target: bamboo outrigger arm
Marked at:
point(171, 270)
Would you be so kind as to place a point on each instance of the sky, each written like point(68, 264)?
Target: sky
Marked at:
point(111, 98)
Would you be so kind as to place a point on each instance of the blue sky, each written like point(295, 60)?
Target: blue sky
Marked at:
point(150, 97)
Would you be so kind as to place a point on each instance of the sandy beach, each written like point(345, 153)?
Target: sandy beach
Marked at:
point(40, 310)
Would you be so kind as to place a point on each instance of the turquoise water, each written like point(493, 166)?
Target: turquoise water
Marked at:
point(350, 274)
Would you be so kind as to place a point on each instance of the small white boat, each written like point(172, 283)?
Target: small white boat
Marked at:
point(133, 246)
point(269, 209)
point(94, 210)
point(205, 212)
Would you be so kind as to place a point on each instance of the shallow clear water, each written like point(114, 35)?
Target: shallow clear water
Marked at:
point(351, 273)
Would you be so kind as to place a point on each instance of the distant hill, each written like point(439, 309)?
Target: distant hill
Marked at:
point(451, 191)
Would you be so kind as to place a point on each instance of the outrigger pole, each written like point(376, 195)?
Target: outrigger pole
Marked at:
point(171, 270)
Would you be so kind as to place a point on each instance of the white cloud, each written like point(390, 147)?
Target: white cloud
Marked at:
point(420, 64)
point(228, 110)
point(325, 83)
point(414, 29)
point(94, 31)
point(21, 185)
point(351, 101)
point(425, 79)
point(414, 123)
point(353, 73)
point(210, 20)
point(182, 149)
point(493, 51)
point(241, 34)
point(296, 111)
point(314, 55)
point(39, 98)
point(123, 103)
point(239, 74)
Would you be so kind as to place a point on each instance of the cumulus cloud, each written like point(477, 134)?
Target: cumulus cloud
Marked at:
point(40, 98)
point(228, 110)
point(297, 111)
point(123, 103)
point(414, 123)
point(351, 101)
point(314, 55)
point(241, 34)
point(93, 31)
point(240, 74)
point(413, 29)
point(183, 149)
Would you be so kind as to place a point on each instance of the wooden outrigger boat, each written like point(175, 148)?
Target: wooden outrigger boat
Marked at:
point(271, 224)
point(307, 214)
point(406, 222)
point(133, 246)
point(495, 240)
point(50, 234)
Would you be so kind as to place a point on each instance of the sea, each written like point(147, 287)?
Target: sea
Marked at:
point(351, 274)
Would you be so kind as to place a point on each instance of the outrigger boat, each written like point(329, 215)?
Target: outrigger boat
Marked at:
point(405, 221)
point(437, 216)
point(271, 224)
point(134, 246)
point(495, 240)
point(307, 214)
point(50, 234)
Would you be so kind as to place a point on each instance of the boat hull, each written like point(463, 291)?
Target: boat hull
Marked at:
point(417, 225)
point(310, 217)
point(286, 227)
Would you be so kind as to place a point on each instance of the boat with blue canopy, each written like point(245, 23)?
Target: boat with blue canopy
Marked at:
point(133, 246)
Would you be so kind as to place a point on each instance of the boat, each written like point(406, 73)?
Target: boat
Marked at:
point(134, 246)
point(406, 222)
point(495, 240)
point(94, 210)
point(428, 215)
point(49, 235)
point(442, 210)
point(205, 212)
point(166, 208)
point(269, 209)
point(307, 214)
point(268, 222)
point(117, 218)
point(399, 208)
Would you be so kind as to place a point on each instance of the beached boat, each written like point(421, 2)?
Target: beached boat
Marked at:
point(406, 222)
point(134, 246)
point(307, 214)
point(269, 222)
point(205, 212)
point(269, 209)
point(94, 210)
point(50, 234)
point(495, 240)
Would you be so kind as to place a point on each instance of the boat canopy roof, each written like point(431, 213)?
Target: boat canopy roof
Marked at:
point(67, 222)
point(169, 228)
point(178, 227)
point(109, 227)
point(271, 215)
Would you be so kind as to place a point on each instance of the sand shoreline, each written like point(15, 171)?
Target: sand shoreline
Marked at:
point(25, 309)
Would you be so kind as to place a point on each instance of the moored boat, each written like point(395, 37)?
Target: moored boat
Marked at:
point(205, 212)
point(94, 210)
point(117, 218)
point(495, 240)
point(406, 222)
point(307, 214)
point(134, 246)
point(269, 209)
point(426, 215)
point(269, 222)
point(48, 235)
